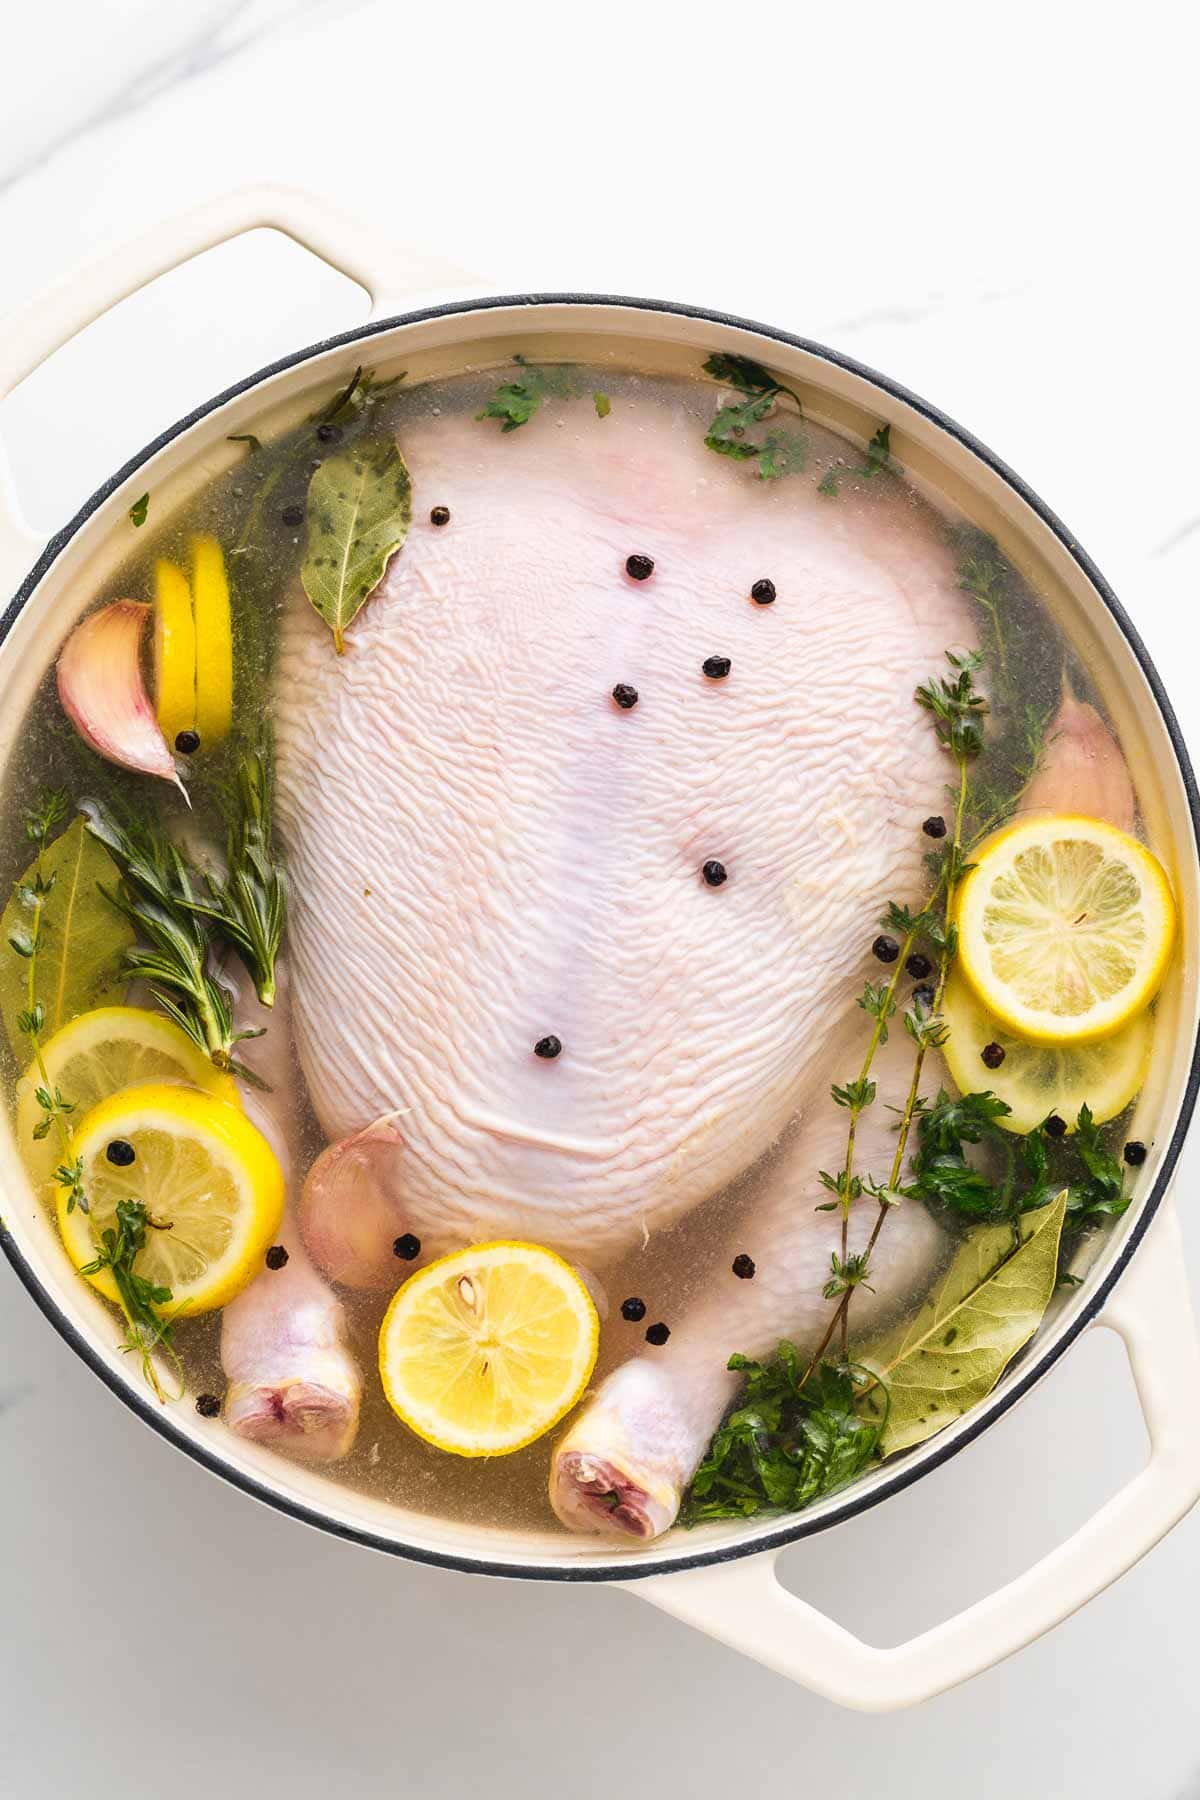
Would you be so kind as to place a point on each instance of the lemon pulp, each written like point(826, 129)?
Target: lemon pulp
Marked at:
point(1065, 928)
point(1036, 1080)
point(210, 1183)
point(485, 1350)
point(99, 1053)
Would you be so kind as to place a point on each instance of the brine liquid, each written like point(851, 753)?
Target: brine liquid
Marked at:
point(248, 508)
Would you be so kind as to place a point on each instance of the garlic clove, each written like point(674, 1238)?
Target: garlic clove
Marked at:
point(1083, 769)
point(102, 692)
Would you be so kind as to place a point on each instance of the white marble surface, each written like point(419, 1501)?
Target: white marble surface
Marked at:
point(996, 205)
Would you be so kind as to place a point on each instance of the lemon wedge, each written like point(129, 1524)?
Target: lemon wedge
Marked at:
point(174, 651)
point(1065, 928)
point(1036, 1080)
point(214, 641)
point(98, 1054)
point(208, 1180)
point(485, 1350)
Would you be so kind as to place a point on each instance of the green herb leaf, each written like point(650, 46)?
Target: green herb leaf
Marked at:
point(139, 510)
point(788, 1442)
point(515, 402)
point(957, 707)
point(879, 454)
point(359, 512)
point(829, 485)
point(780, 452)
point(81, 940)
point(602, 404)
point(739, 372)
point(248, 907)
point(939, 1364)
point(163, 897)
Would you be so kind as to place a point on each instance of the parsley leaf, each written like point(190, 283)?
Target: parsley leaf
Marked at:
point(879, 455)
point(515, 402)
point(139, 509)
point(788, 1442)
point(779, 452)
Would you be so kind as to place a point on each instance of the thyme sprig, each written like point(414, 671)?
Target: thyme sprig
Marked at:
point(41, 819)
point(147, 1330)
point(958, 711)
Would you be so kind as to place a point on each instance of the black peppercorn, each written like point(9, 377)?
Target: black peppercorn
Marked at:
point(329, 434)
point(886, 949)
point(639, 567)
point(1135, 1153)
point(207, 1405)
point(277, 1257)
point(658, 1334)
point(763, 592)
point(716, 667)
point(548, 1048)
point(919, 966)
point(633, 1309)
point(292, 515)
point(935, 827)
point(187, 742)
point(923, 995)
point(625, 696)
point(1056, 1127)
point(714, 872)
point(120, 1153)
point(407, 1248)
point(743, 1267)
point(439, 515)
point(992, 1055)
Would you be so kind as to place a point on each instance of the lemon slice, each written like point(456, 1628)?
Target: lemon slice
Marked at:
point(1065, 928)
point(96, 1055)
point(174, 651)
point(1036, 1080)
point(486, 1349)
point(199, 1168)
point(214, 641)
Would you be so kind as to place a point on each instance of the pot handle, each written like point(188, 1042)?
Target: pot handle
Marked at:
point(742, 1603)
point(32, 334)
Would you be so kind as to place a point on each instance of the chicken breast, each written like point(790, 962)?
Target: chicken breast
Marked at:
point(487, 851)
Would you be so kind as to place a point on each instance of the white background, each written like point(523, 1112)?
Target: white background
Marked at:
point(996, 204)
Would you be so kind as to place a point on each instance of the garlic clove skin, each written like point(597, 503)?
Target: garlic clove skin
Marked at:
point(1083, 769)
point(102, 692)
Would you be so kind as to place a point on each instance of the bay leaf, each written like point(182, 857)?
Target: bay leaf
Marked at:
point(358, 514)
point(940, 1363)
point(80, 961)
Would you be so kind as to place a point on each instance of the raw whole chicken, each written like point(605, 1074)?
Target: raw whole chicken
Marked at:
point(562, 968)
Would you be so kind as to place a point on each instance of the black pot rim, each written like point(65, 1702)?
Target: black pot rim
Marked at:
point(789, 1530)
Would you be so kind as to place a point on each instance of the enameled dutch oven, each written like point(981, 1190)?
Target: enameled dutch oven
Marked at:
point(720, 1578)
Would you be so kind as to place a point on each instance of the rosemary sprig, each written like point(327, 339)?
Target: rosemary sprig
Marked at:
point(185, 917)
point(248, 909)
point(163, 901)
